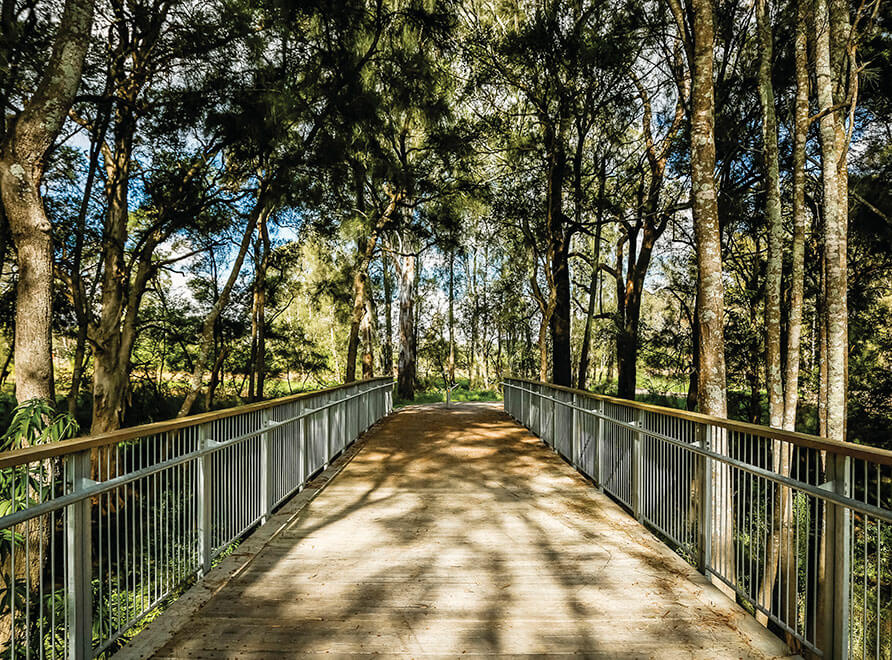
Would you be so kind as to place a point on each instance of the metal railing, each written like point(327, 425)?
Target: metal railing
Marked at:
point(799, 527)
point(98, 533)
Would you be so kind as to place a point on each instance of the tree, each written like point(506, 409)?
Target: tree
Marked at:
point(560, 67)
point(26, 139)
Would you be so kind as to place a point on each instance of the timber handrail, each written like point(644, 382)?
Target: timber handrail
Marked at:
point(874, 454)
point(40, 452)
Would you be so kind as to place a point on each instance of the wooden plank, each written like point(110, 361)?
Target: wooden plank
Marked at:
point(455, 532)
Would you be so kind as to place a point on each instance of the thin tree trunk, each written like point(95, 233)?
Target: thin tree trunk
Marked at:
point(594, 286)
point(780, 452)
point(260, 287)
point(451, 364)
point(406, 365)
point(833, 167)
point(215, 378)
point(582, 372)
point(780, 555)
point(388, 319)
point(558, 255)
point(771, 181)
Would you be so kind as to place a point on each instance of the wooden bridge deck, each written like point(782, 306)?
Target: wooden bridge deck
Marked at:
point(456, 532)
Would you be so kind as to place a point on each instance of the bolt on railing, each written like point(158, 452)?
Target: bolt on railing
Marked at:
point(806, 548)
point(99, 532)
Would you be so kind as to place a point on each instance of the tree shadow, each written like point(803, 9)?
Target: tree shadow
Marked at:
point(455, 531)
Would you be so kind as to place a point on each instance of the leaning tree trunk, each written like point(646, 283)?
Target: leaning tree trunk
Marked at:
point(206, 339)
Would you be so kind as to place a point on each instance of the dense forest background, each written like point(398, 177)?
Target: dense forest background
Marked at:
point(246, 199)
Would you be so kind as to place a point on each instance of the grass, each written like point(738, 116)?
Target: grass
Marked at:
point(438, 396)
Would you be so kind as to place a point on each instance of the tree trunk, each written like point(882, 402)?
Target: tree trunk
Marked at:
point(365, 250)
point(782, 397)
point(388, 319)
point(451, 363)
point(77, 367)
point(558, 255)
point(582, 372)
point(774, 220)
point(21, 171)
point(206, 339)
point(835, 214)
point(215, 378)
point(406, 365)
point(831, 66)
point(562, 367)
point(543, 349)
point(113, 338)
point(368, 332)
point(711, 390)
point(694, 379)
point(627, 353)
point(259, 365)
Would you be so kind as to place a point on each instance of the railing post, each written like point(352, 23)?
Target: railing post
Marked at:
point(835, 601)
point(638, 468)
point(302, 424)
point(704, 505)
point(266, 469)
point(574, 431)
point(326, 399)
point(203, 491)
point(364, 398)
point(599, 435)
point(78, 556)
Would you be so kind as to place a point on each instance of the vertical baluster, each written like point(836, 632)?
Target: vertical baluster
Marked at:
point(78, 556)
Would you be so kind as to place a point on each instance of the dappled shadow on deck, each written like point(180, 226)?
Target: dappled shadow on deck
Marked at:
point(456, 532)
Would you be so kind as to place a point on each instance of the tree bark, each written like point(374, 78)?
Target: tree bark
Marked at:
point(711, 314)
point(22, 162)
point(259, 365)
point(368, 332)
point(711, 390)
point(558, 254)
point(835, 212)
point(832, 66)
point(783, 392)
point(387, 348)
point(451, 364)
point(365, 251)
point(406, 364)
point(773, 217)
point(366, 247)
